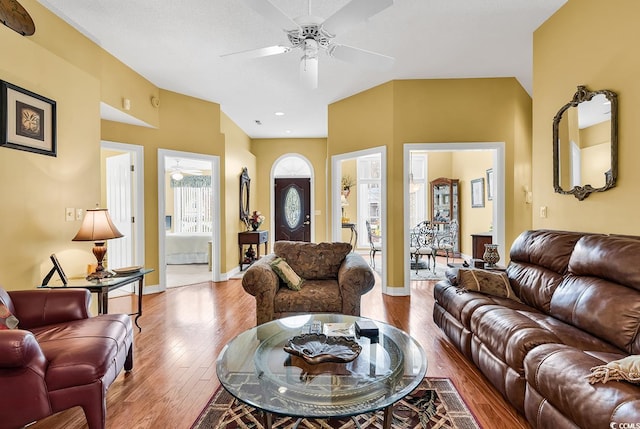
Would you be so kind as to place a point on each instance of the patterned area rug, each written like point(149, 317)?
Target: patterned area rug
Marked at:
point(435, 403)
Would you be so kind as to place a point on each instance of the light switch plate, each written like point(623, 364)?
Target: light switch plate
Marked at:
point(69, 214)
point(79, 214)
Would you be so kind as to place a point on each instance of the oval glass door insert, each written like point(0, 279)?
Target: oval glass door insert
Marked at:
point(292, 207)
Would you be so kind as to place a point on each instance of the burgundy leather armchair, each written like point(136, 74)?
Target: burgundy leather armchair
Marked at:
point(59, 356)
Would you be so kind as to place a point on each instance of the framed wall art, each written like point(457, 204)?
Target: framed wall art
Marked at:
point(27, 120)
point(490, 185)
point(477, 192)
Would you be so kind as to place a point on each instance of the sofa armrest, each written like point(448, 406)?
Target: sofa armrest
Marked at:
point(355, 278)
point(20, 349)
point(23, 391)
point(41, 307)
point(262, 282)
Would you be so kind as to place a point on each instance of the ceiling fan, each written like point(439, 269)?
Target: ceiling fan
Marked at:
point(312, 34)
point(178, 173)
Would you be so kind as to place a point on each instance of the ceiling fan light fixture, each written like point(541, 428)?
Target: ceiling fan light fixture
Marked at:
point(309, 64)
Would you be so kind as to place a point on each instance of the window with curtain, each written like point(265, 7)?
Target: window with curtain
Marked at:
point(192, 197)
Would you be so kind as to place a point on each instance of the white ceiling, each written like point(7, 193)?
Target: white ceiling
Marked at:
point(177, 44)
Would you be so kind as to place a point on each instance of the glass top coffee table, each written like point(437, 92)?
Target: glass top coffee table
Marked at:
point(255, 368)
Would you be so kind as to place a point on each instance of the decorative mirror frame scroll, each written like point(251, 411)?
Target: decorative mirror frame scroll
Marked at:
point(245, 188)
point(582, 192)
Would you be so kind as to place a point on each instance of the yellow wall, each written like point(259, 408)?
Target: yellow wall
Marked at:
point(35, 189)
point(117, 81)
point(437, 111)
point(267, 151)
point(568, 53)
point(237, 155)
point(177, 113)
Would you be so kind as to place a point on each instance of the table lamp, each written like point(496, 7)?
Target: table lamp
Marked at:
point(97, 226)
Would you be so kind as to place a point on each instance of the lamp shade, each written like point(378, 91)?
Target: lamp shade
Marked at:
point(97, 226)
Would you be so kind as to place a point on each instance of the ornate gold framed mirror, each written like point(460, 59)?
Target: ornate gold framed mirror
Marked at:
point(585, 143)
point(245, 188)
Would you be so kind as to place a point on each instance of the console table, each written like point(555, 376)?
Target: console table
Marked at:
point(353, 239)
point(102, 287)
point(250, 238)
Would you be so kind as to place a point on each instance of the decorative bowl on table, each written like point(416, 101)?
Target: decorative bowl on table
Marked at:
point(320, 348)
point(127, 270)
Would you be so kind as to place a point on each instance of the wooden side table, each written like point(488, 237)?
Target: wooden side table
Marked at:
point(250, 238)
point(478, 240)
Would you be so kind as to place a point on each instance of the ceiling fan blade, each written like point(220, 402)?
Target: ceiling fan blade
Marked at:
point(361, 57)
point(352, 13)
point(272, 13)
point(261, 52)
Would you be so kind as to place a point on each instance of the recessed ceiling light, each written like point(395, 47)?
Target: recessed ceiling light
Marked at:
point(288, 131)
point(279, 113)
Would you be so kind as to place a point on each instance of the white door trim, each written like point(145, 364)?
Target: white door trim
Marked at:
point(336, 213)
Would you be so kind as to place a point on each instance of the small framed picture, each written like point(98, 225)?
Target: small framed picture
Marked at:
point(27, 120)
point(477, 192)
point(57, 268)
point(490, 185)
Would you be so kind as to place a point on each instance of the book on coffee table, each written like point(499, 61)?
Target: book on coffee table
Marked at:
point(338, 329)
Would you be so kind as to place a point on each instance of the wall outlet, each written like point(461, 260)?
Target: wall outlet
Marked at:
point(79, 214)
point(69, 214)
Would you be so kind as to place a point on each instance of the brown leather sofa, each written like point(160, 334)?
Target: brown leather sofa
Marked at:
point(580, 308)
point(335, 279)
point(59, 356)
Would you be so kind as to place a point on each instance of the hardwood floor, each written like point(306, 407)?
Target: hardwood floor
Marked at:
point(184, 329)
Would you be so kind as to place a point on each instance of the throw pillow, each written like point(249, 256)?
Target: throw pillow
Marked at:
point(7, 320)
point(626, 369)
point(494, 283)
point(286, 273)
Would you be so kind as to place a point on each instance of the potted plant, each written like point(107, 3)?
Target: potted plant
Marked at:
point(347, 183)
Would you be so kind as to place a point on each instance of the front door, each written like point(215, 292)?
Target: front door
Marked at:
point(293, 209)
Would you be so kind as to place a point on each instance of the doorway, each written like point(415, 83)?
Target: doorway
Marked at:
point(123, 196)
point(292, 198)
point(188, 218)
point(364, 173)
point(414, 177)
point(292, 209)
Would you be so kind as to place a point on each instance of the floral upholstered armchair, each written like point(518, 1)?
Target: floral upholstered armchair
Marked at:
point(330, 279)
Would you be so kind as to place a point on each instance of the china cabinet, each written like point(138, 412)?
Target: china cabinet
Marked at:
point(445, 208)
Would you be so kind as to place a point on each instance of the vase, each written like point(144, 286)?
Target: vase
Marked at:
point(255, 226)
point(491, 255)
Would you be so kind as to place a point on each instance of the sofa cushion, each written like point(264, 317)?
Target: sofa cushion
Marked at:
point(7, 320)
point(316, 296)
point(558, 373)
point(83, 351)
point(539, 259)
point(512, 333)
point(488, 282)
point(313, 261)
point(286, 273)
point(597, 306)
